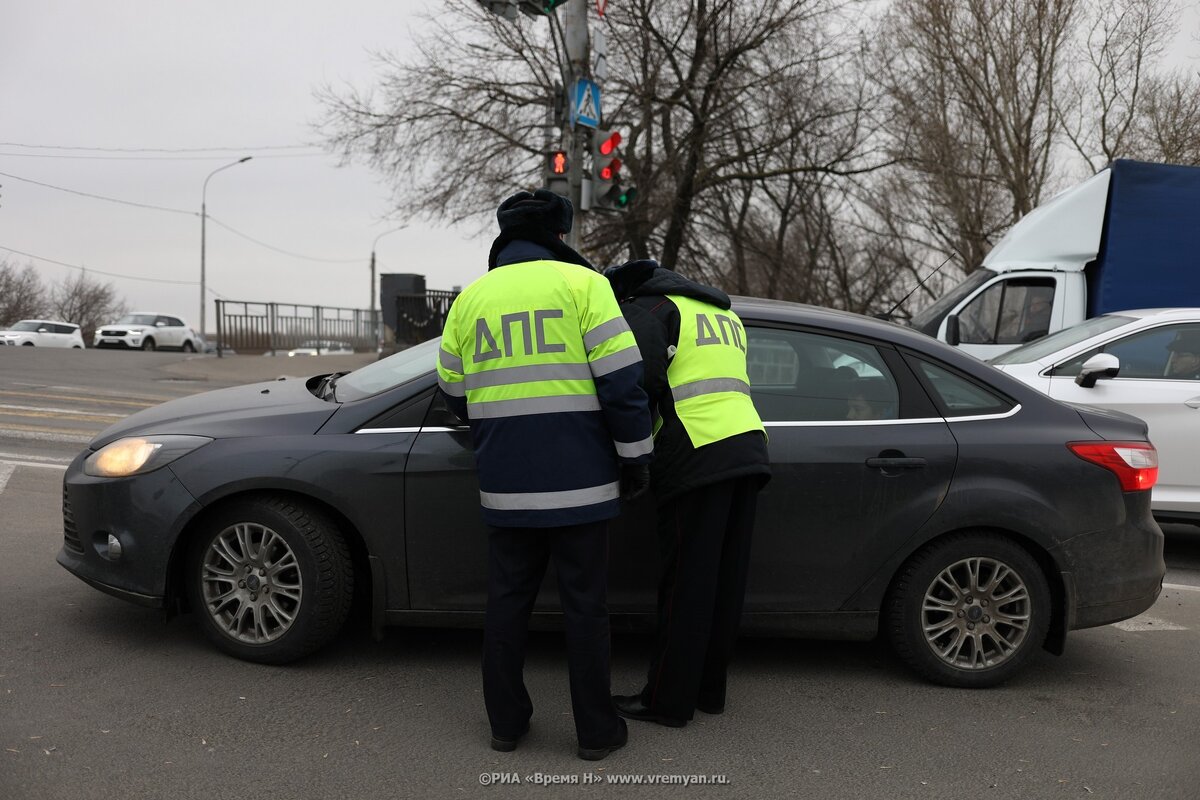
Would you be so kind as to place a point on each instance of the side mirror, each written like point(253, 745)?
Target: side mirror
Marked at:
point(1101, 365)
point(953, 337)
point(160, 324)
point(43, 330)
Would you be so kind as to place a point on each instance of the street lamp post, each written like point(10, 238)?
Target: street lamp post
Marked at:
point(374, 316)
point(203, 225)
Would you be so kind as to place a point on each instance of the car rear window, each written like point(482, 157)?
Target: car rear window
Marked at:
point(959, 396)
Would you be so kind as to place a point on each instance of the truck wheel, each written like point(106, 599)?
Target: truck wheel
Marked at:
point(270, 579)
point(148, 343)
point(969, 610)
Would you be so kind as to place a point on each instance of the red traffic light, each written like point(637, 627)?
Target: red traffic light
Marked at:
point(610, 144)
point(609, 171)
point(558, 162)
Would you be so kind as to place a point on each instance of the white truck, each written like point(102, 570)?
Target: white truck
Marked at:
point(1127, 237)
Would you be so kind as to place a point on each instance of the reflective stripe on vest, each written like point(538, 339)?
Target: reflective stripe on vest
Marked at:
point(708, 377)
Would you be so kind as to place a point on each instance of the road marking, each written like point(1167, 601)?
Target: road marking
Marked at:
point(80, 398)
point(65, 413)
point(1185, 587)
point(6, 471)
point(1145, 623)
point(31, 457)
point(14, 431)
point(7, 462)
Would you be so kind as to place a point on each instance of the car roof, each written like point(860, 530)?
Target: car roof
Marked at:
point(1157, 313)
point(50, 321)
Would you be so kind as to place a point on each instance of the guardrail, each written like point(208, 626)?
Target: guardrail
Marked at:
point(252, 327)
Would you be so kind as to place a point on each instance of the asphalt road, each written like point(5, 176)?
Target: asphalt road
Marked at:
point(99, 698)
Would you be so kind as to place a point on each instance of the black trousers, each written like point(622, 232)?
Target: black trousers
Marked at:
point(704, 538)
point(518, 559)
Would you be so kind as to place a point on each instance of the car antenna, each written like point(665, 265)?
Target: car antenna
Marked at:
point(920, 283)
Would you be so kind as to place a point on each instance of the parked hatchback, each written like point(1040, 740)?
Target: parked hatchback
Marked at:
point(917, 492)
point(42, 333)
point(148, 330)
point(1145, 363)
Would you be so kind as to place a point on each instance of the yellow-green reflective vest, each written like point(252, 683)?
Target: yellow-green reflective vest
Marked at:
point(708, 379)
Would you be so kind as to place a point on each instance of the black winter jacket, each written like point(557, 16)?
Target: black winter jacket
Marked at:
point(678, 467)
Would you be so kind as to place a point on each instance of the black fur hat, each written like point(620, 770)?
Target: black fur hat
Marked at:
point(542, 209)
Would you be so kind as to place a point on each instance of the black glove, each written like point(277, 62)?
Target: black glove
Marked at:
point(635, 481)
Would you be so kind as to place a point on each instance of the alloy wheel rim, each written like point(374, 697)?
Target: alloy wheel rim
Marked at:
point(251, 583)
point(976, 614)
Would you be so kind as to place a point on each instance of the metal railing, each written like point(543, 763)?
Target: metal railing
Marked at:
point(250, 327)
point(420, 317)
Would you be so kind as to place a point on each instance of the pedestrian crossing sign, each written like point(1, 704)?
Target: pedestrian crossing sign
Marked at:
point(586, 108)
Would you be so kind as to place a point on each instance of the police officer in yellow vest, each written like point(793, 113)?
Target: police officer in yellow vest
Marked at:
point(710, 462)
point(538, 357)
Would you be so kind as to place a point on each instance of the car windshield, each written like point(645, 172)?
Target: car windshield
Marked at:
point(26, 325)
point(1036, 351)
point(391, 371)
point(929, 319)
point(137, 319)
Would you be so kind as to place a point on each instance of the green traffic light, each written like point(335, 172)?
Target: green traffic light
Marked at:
point(626, 197)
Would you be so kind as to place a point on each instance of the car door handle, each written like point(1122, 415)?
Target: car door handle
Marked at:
point(895, 463)
point(1193, 403)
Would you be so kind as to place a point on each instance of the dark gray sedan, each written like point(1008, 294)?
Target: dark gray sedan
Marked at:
point(917, 493)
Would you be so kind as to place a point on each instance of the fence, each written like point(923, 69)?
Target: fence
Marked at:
point(249, 327)
point(420, 317)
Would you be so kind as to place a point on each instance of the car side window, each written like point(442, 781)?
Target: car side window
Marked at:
point(808, 377)
point(63, 328)
point(1158, 354)
point(958, 396)
point(175, 322)
point(1009, 312)
point(161, 321)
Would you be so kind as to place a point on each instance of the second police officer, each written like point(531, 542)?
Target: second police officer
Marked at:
point(538, 357)
point(710, 460)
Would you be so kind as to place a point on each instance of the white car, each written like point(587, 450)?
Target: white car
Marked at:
point(323, 347)
point(148, 330)
point(42, 333)
point(1145, 363)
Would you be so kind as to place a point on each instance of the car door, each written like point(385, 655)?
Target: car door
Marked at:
point(860, 460)
point(1144, 387)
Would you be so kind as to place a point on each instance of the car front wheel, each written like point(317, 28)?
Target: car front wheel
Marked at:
point(271, 580)
point(188, 347)
point(969, 610)
point(148, 344)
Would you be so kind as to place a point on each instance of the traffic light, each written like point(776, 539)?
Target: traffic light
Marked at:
point(607, 191)
point(558, 172)
point(537, 8)
point(606, 166)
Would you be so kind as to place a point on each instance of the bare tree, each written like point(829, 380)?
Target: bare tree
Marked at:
point(86, 302)
point(1102, 111)
point(973, 85)
point(1169, 123)
point(22, 295)
point(715, 99)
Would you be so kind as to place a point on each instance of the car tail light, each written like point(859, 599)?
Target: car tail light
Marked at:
point(1135, 463)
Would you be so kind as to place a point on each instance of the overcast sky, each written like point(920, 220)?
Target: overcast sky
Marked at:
point(182, 74)
point(213, 74)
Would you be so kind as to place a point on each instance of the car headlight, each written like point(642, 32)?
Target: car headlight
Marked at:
point(139, 454)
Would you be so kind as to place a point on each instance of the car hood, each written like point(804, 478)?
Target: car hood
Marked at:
point(129, 328)
point(272, 408)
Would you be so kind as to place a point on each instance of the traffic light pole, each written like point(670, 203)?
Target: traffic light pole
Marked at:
point(575, 36)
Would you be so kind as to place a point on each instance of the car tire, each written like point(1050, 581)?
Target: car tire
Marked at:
point(27, 344)
point(76, 347)
point(188, 347)
point(297, 593)
point(969, 610)
point(148, 344)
